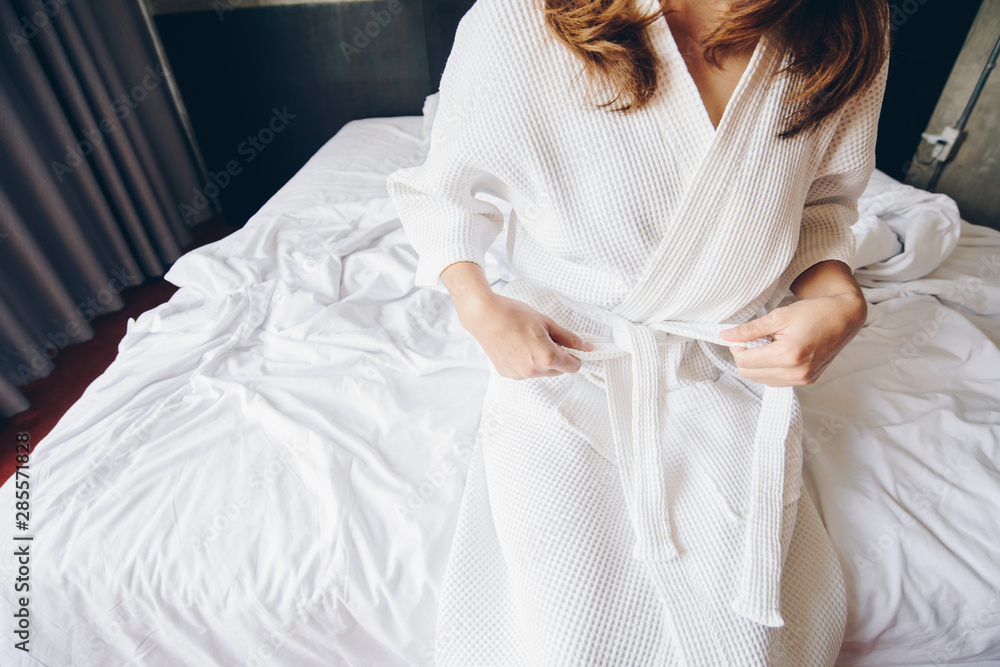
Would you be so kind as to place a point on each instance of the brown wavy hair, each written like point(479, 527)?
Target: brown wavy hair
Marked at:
point(837, 47)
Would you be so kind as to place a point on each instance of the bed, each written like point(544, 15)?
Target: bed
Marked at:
point(270, 471)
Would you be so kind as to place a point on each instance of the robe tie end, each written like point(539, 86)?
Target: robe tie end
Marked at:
point(759, 595)
point(638, 445)
point(761, 615)
point(653, 542)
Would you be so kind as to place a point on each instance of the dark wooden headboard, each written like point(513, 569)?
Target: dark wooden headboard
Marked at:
point(241, 63)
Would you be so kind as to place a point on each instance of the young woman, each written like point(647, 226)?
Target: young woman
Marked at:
point(675, 167)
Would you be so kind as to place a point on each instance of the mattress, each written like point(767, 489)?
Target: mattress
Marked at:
point(270, 471)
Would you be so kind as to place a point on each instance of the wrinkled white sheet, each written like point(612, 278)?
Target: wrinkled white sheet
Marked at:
point(269, 472)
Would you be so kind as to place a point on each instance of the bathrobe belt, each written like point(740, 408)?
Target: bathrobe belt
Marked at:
point(638, 451)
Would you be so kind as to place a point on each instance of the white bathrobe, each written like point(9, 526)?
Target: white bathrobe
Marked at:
point(647, 510)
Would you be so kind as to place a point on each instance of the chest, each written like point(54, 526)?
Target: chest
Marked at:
point(715, 85)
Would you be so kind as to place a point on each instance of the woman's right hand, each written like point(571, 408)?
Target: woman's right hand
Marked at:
point(520, 341)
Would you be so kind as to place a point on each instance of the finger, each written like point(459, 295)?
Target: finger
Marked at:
point(567, 338)
point(775, 377)
point(548, 373)
point(772, 355)
point(545, 355)
point(566, 363)
point(537, 371)
point(758, 328)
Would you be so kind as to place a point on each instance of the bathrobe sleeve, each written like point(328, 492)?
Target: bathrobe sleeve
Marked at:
point(436, 203)
point(831, 205)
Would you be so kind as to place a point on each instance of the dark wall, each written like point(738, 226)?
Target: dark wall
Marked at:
point(928, 34)
point(441, 19)
point(235, 68)
point(324, 64)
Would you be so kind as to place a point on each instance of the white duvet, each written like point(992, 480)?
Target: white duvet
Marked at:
point(269, 473)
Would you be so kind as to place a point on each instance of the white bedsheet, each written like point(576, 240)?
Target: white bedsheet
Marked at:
point(270, 471)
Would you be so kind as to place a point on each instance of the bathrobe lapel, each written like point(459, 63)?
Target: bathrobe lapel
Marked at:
point(721, 148)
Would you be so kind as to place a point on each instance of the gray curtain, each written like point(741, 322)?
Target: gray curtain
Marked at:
point(94, 166)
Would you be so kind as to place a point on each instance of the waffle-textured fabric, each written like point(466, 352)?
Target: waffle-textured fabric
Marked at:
point(647, 510)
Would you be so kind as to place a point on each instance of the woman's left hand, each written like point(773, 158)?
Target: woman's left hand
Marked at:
point(807, 335)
